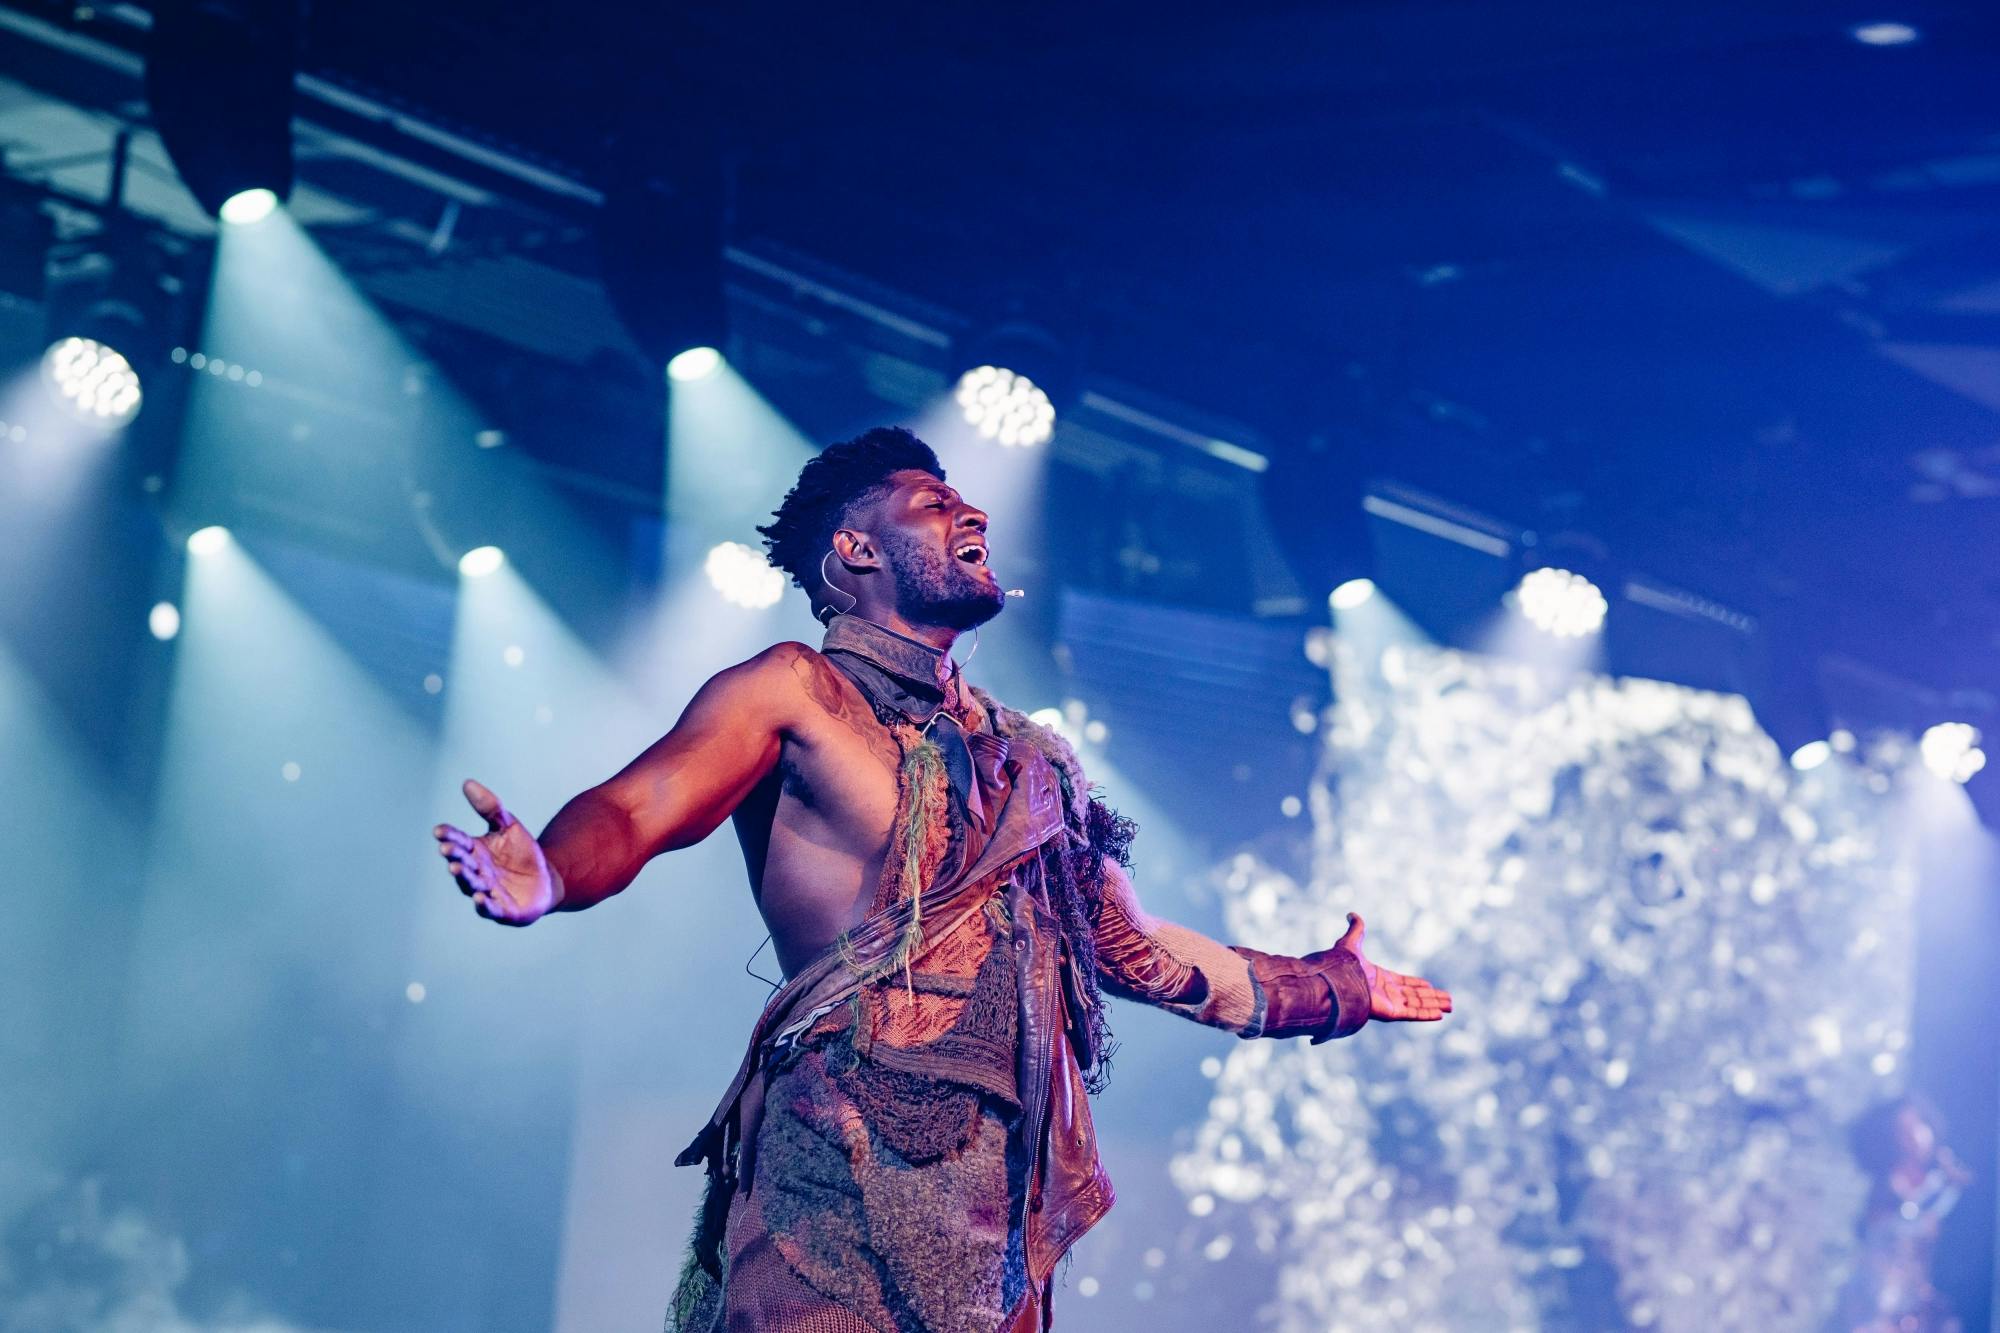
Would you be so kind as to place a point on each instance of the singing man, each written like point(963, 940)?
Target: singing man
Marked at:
point(907, 1146)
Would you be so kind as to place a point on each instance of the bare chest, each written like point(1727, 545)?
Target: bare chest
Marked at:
point(838, 781)
point(830, 818)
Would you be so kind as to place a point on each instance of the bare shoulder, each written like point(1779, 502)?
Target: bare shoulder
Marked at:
point(777, 663)
point(822, 693)
point(763, 688)
point(794, 682)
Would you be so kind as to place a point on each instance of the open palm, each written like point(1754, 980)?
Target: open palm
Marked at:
point(502, 870)
point(1392, 996)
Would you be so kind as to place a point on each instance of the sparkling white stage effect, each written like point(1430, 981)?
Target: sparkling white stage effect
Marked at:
point(1683, 968)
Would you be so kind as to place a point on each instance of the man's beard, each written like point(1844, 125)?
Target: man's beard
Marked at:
point(934, 587)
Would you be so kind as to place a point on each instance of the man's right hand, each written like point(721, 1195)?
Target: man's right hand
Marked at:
point(503, 870)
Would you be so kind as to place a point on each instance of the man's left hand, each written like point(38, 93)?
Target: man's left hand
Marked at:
point(1392, 996)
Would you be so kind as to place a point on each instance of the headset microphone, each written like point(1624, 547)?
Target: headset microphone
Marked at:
point(1017, 592)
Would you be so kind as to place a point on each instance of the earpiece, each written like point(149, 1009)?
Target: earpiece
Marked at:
point(827, 578)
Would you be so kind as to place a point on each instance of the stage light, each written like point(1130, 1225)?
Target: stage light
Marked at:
point(220, 83)
point(481, 561)
point(93, 381)
point(164, 620)
point(248, 206)
point(1951, 751)
point(1351, 594)
point(1072, 722)
point(743, 576)
point(696, 363)
point(660, 239)
point(112, 299)
point(1006, 406)
point(1015, 379)
point(1883, 34)
point(1560, 602)
point(208, 540)
point(1811, 755)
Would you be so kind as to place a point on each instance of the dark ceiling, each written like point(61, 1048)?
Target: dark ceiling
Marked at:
point(1716, 283)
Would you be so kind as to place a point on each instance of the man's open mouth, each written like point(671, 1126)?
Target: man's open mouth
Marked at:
point(972, 553)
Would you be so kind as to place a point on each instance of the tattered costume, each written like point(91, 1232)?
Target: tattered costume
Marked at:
point(907, 1147)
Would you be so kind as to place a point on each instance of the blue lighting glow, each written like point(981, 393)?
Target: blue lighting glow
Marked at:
point(1004, 405)
point(481, 561)
point(164, 621)
point(1883, 34)
point(696, 363)
point(1561, 602)
point(1351, 594)
point(93, 381)
point(1951, 751)
point(743, 576)
point(247, 206)
point(208, 540)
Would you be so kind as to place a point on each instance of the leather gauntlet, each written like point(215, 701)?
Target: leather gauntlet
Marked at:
point(1323, 995)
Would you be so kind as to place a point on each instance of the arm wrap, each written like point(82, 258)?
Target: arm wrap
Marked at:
point(1323, 995)
point(1252, 994)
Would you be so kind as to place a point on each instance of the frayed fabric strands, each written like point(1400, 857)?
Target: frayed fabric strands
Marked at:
point(923, 836)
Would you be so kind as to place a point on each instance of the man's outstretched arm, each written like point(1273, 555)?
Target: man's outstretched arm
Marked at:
point(673, 795)
point(1326, 994)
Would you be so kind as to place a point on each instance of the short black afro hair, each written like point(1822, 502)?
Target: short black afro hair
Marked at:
point(839, 477)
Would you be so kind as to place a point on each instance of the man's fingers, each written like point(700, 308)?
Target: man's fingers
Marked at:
point(487, 805)
point(1412, 999)
point(1418, 1009)
point(1431, 995)
point(490, 905)
point(448, 836)
point(469, 880)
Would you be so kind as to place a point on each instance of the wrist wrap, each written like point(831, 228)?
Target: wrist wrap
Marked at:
point(1323, 995)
